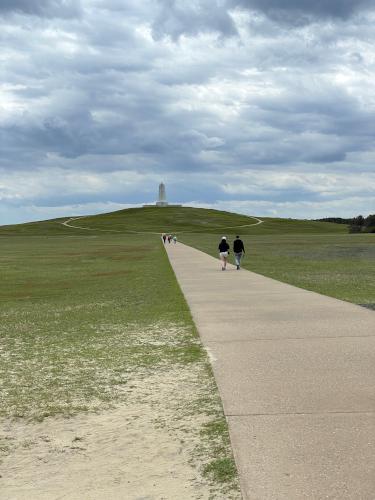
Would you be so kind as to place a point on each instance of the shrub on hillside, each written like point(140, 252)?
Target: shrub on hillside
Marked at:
point(361, 224)
point(357, 224)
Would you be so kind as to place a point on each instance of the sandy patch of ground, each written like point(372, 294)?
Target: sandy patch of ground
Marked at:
point(144, 450)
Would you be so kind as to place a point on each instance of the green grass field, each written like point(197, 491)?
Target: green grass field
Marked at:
point(85, 312)
point(77, 311)
point(318, 256)
point(83, 316)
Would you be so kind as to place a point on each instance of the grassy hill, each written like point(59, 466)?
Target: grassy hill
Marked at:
point(177, 220)
point(319, 256)
point(200, 220)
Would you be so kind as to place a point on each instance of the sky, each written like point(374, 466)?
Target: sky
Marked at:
point(262, 107)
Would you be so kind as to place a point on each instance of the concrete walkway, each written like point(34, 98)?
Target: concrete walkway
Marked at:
point(296, 373)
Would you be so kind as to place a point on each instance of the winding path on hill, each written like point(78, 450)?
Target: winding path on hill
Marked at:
point(259, 221)
point(296, 373)
point(71, 219)
point(67, 224)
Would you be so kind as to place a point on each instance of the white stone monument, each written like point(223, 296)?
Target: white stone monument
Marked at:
point(162, 201)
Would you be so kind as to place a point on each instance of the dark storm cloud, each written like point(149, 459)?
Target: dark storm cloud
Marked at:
point(176, 17)
point(300, 10)
point(269, 131)
point(43, 8)
point(323, 124)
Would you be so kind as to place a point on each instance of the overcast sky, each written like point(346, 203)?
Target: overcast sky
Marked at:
point(264, 107)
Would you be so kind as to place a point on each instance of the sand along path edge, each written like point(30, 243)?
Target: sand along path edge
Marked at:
point(295, 371)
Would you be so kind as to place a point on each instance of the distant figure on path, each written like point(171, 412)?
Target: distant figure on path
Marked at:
point(164, 236)
point(169, 238)
point(174, 239)
point(238, 250)
point(223, 252)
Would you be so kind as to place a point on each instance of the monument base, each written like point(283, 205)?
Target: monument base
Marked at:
point(161, 205)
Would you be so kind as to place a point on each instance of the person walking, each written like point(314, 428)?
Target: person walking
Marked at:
point(223, 252)
point(174, 239)
point(164, 236)
point(238, 250)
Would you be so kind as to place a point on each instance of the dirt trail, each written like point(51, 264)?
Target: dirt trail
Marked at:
point(124, 453)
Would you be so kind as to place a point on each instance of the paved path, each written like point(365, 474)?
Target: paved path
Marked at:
point(296, 373)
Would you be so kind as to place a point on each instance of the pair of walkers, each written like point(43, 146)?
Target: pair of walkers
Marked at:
point(238, 250)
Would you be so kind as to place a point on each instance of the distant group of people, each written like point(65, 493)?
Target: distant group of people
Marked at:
point(168, 237)
point(224, 250)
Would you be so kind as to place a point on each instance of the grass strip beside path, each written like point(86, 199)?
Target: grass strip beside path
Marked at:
point(338, 265)
point(83, 317)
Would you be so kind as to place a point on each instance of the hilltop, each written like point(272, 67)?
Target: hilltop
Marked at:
point(175, 220)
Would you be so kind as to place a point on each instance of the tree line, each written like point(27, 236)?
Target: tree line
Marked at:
point(357, 224)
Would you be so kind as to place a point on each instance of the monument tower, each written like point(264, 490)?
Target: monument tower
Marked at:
point(162, 201)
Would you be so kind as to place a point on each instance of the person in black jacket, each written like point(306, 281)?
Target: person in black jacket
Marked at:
point(223, 252)
point(238, 250)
